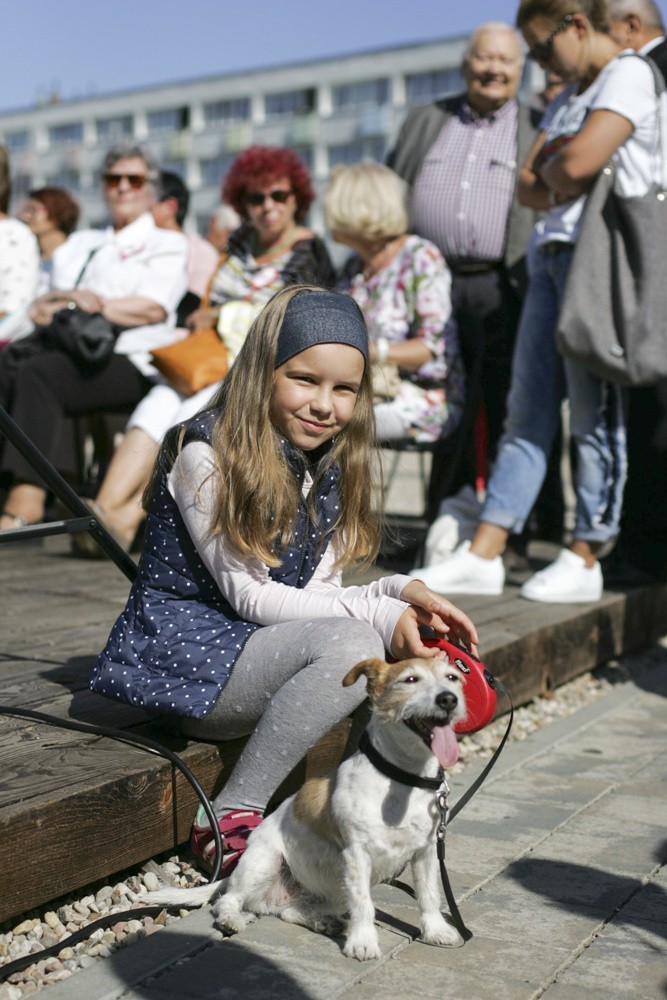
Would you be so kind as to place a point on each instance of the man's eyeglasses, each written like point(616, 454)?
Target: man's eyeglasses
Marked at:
point(136, 181)
point(541, 51)
point(258, 197)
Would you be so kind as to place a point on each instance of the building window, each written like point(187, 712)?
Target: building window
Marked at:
point(365, 94)
point(113, 129)
point(177, 165)
point(423, 87)
point(213, 170)
point(357, 151)
point(168, 120)
point(305, 154)
point(64, 135)
point(221, 112)
point(290, 102)
point(65, 178)
point(16, 141)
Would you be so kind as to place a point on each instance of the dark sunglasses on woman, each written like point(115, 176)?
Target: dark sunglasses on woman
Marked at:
point(136, 181)
point(258, 197)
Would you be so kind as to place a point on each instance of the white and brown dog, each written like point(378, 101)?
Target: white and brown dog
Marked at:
point(316, 858)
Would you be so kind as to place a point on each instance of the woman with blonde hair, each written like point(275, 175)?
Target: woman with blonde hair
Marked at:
point(238, 621)
point(402, 285)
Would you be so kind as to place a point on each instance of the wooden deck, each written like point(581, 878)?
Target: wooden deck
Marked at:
point(76, 808)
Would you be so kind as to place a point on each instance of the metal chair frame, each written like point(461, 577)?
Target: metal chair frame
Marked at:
point(82, 520)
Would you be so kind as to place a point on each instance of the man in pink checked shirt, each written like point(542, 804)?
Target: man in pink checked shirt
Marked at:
point(461, 155)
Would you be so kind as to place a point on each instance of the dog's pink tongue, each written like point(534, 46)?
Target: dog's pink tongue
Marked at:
point(445, 746)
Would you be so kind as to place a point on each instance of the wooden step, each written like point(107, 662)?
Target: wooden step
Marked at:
point(75, 808)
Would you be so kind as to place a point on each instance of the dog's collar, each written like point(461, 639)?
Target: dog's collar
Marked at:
point(397, 773)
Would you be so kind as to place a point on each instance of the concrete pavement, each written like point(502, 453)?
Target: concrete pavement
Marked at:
point(557, 866)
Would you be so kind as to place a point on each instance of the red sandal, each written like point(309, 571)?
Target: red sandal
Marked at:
point(235, 827)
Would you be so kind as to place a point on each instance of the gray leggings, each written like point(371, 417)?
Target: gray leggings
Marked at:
point(286, 689)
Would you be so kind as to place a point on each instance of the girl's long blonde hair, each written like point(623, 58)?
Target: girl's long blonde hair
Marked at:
point(258, 494)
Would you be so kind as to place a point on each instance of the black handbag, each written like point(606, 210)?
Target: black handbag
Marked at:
point(88, 338)
point(613, 316)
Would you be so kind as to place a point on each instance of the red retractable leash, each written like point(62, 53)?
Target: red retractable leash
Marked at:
point(480, 687)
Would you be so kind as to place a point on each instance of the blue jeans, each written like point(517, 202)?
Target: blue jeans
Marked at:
point(597, 418)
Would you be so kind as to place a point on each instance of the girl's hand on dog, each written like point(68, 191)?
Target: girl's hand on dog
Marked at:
point(440, 614)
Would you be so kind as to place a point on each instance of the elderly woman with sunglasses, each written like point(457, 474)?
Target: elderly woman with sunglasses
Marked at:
point(134, 274)
point(271, 190)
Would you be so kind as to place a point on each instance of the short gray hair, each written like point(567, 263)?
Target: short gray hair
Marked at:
point(130, 150)
point(491, 26)
point(647, 11)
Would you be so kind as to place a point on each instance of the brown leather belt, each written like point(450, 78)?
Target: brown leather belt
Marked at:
point(475, 267)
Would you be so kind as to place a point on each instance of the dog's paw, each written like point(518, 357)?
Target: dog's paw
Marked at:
point(363, 945)
point(327, 925)
point(230, 919)
point(436, 930)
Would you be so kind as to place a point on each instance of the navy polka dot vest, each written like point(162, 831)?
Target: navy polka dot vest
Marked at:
point(174, 646)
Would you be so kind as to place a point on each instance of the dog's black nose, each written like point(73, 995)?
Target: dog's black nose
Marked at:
point(447, 700)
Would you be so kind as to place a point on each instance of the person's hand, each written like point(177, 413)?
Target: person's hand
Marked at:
point(87, 300)
point(202, 319)
point(41, 313)
point(440, 614)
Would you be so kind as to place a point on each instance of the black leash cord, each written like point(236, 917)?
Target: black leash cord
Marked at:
point(151, 746)
point(19, 964)
point(466, 797)
point(448, 814)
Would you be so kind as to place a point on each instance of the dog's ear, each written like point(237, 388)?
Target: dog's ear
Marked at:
point(368, 667)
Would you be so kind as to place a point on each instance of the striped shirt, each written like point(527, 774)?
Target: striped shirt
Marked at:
point(464, 191)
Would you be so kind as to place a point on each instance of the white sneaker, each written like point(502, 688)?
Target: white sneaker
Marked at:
point(464, 573)
point(566, 581)
point(457, 520)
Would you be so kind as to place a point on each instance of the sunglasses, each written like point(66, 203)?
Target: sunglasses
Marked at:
point(258, 198)
point(541, 51)
point(136, 181)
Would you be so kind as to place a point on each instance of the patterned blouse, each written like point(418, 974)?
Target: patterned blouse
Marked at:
point(410, 298)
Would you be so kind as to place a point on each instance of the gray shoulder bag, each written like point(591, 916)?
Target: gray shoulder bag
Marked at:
point(613, 319)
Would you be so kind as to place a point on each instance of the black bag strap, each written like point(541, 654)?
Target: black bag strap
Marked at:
point(85, 264)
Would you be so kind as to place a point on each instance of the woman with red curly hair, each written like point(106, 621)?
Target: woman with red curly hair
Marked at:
point(271, 190)
point(260, 163)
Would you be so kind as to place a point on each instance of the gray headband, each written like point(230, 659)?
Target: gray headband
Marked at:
point(320, 318)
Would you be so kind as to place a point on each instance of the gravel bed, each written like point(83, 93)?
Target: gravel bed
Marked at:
point(38, 930)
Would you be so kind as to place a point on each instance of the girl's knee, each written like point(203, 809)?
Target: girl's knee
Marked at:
point(359, 640)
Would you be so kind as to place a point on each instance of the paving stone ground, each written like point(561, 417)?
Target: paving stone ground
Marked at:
point(557, 865)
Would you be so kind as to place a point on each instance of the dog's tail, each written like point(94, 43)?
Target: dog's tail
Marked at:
point(172, 896)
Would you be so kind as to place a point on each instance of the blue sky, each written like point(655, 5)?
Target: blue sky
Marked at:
point(85, 47)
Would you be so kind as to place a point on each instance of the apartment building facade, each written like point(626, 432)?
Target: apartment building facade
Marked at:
point(337, 110)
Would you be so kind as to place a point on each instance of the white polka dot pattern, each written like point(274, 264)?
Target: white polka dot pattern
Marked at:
point(174, 646)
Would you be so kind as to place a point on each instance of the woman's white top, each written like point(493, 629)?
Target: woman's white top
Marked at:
point(140, 259)
point(19, 269)
point(625, 86)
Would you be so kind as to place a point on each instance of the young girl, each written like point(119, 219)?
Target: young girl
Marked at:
point(237, 620)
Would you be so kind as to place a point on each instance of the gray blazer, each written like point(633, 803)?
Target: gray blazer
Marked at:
point(422, 127)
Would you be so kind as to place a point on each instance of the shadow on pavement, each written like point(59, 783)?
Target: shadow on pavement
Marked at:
point(583, 889)
point(206, 969)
